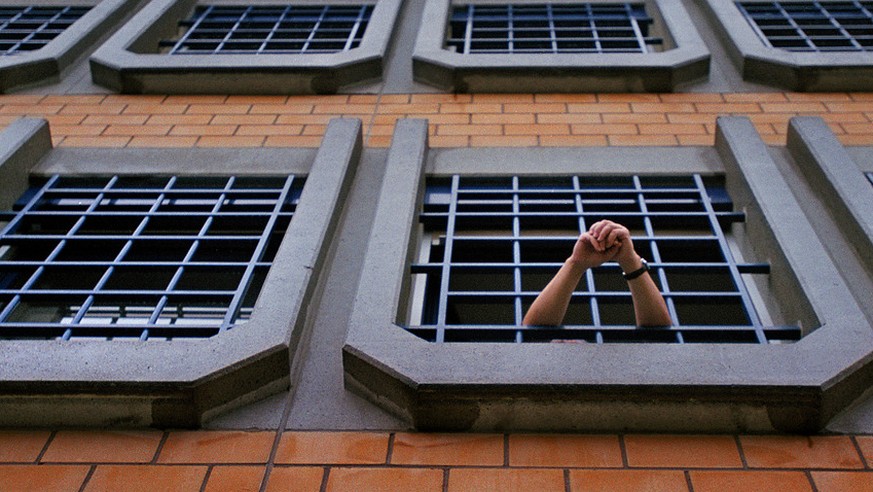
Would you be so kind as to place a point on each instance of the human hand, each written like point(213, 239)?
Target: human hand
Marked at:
point(604, 241)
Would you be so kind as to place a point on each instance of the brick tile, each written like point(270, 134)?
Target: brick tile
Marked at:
point(573, 140)
point(817, 96)
point(861, 96)
point(599, 108)
point(93, 109)
point(773, 139)
point(283, 108)
point(695, 140)
point(420, 108)
point(756, 97)
point(857, 128)
point(332, 448)
point(844, 117)
point(336, 109)
point(57, 141)
point(749, 481)
point(441, 98)
point(605, 129)
point(150, 108)
point(565, 98)
point(42, 477)
point(298, 479)
point(436, 119)
point(114, 119)
point(146, 141)
point(179, 119)
point(503, 479)
point(121, 478)
point(608, 98)
point(231, 141)
point(134, 98)
point(663, 108)
point(503, 141)
point(843, 481)
point(627, 481)
point(800, 452)
point(645, 140)
point(580, 118)
point(470, 130)
point(447, 449)
point(728, 108)
point(866, 445)
point(291, 141)
point(855, 139)
point(475, 108)
point(99, 446)
point(101, 141)
point(672, 129)
point(504, 98)
point(381, 141)
point(326, 99)
point(303, 119)
point(197, 130)
point(264, 130)
point(564, 450)
point(62, 119)
point(80, 130)
point(808, 107)
point(21, 446)
point(196, 99)
point(217, 447)
point(692, 97)
point(243, 119)
point(675, 451)
point(27, 109)
point(535, 108)
point(314, 130)
point(382, 130)
point(691, 118)
point(218, 109)
point(385, 479)
point(451, 141)
point(384, 98)
point(242, 99)
point(235, 478)
point(770, 118)
point(135, 130)
point(73, 99)
point(20, 99)
point(541, 129)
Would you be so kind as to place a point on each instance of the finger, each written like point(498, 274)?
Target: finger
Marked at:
point(612, 237)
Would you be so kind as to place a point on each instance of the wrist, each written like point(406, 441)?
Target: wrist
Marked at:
point(577, 264)
point(631, 263)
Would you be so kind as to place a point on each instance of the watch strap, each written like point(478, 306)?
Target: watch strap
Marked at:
point(636, 273)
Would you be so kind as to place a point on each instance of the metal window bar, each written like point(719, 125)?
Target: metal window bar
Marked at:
point(812, 26)
point(551, 28)
point(306, 29)
point(491, 244)
point(146, 258)
point(30, 28)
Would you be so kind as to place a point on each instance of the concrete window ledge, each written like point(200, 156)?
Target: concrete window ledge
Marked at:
point(684, 58)
point(177, 383)
point(798, 71)
point(129, 62)
point(793, 387)
point(47, 63)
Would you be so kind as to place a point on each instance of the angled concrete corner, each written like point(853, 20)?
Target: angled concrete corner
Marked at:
point(645, 387)
point(48, 62)
point(182, 382)
point(129, 62)
point(827, 70)
point(684, 59)
point(22, 144)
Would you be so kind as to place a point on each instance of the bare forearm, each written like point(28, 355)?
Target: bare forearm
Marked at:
point(550, 307)
point(649, 306)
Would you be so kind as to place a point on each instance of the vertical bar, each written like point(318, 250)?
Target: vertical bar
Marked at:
point(354, 31)
point(315, 29)
point(447, 261)
point(516, 257)
point(279, 19)
point(468, 29)
point(510, 31)
point(194, 26)
point(641, 40)
point(552, 33)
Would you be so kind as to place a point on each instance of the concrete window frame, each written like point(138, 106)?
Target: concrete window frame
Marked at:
point(48, 62)
point(642, 387)
point(184, 382)
point(129, 63)
point(685, 58)
point(798, 71)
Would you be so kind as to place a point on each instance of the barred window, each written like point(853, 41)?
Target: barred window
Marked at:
point(31, 28)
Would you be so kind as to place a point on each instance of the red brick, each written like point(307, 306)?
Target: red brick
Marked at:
point(539, 129)
point(381, 141)
point(573, 140)
point(134, 130)
point(800, 452)
point(627, 481)
point(179, 119)
point(304, 119)
point(728, 108)
point(231, 141)
point(843, 481)
point(599, 108)
point(298, 479)
point(93, 109)
point(256, 100)
point(504, 98)
point(243, 119)
point(235, 478)
point(80, 130)
point(14, 478)
point(113, 119)
point(696, 140)
point(196, 99)
point(749, 481)
point(642, 140)
point(589, 451)
point(756, 97)
point(672, 129)
point(629, 98)
point(866, 445)
point(535, 108)
point(419, 108)
point(136, 478)
point(100, 446)
point(450, 141)
point(635, 118)
point(20, 99)
point(447, 449)
point(153, 109)
point(502, 119)
point(332, 448)
point(134, 98)
point(385, 479)
point(470, 130)
point(275, 109)
point(21, 445)
point(292, 141)
point(817, 96)
point(217, 447)
point(692, 97)
point(162, 141)
point(264, 130)
point(808, 107)
point(503, 141)
point(504, 479)
point(580, 118)
point(74, 99)
point(198, 130)
point(102, 141)
point(663, 108)
point(30, 109)
point(675, 451)
point(605, 129)
point(565, 98)
point(218, 109)
point(441, 98)
point(331, 99)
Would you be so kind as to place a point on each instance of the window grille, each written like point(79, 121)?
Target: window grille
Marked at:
point(139, 257)
point(31, 28)
point(551, 28)
point(215, 29)
point(490, 245)
point(812, 26)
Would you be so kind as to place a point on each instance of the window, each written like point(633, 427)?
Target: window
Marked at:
point(490, 245)
point(812, 26)
point(31, 28)
point(551, 28)
point(214, 29)
point(140, 257)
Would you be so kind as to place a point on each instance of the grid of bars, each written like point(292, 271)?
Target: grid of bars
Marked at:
point(490, 245)
point(551, 28)
point(31, 28)
point(812, 26)
point(139, 257)
point(214, 29)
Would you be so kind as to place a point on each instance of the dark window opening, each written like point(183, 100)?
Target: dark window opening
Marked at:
point(812, 26)
point(551, 28)
point(490, 245)
point(30, 28)
point(298, 29)
point(142, 258)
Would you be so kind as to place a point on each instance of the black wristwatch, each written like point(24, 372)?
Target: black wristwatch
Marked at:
point(636, 273)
